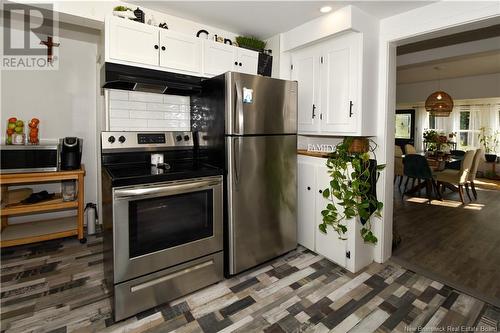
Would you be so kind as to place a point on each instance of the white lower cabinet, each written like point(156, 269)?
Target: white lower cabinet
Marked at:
point(352, 253)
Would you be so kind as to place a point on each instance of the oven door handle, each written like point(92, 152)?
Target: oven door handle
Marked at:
point(167, 189)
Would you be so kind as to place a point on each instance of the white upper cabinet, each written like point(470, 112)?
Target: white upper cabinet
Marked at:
point(330, 77)
point(248, 61)
point(180, 51)
point(306, 72)
point(218, 58)
point(339, 82)
point(132, 41)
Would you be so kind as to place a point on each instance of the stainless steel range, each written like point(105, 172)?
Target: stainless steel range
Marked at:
point(163, 222)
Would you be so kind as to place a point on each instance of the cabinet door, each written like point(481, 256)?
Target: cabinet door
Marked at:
point(248, 61)
point(306, 72)
point(180, 52)
point(339, 84)
point(329, 245)
point(306, 223)
point(218, 58)
point(132, 41)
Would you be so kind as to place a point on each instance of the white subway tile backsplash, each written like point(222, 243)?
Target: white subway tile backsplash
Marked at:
point(158, 107)
point(175, 99)
point(118, 95)
point(147, 115)
point(129, 123)
point(145, 97)
point(114, 113)
point(138, 111)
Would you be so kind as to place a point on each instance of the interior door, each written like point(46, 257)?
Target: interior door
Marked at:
point(248, 61)
point(306, 72)
point(306, 194)
point(329, 244)
point(262, 198)
point(339, 86)
point(180, 52)
point(132, 41)
point(218, 58)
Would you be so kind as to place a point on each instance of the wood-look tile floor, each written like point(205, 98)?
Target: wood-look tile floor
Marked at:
point(458, 243)
point(58, 286)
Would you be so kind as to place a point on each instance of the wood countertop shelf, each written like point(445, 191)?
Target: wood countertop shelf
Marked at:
point(313, 153)
point(36, 231)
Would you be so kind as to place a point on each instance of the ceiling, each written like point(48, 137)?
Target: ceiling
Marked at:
point(475, 64)
point(264, 19)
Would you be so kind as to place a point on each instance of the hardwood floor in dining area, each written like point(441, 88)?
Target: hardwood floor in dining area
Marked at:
point(456, 243)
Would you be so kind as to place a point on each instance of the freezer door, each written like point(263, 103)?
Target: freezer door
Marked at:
point(262, 198)
point(260, 105)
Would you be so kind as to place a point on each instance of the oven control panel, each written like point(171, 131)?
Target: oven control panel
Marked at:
point(136, 141)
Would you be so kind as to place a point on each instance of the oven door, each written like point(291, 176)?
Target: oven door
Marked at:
point(159, 225)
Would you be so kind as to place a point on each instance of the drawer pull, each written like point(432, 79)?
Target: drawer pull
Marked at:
point(170, 276)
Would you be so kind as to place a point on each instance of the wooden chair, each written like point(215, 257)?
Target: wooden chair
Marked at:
point(398, 165)
point(472, 176)
point(410, 149)
point(456, 181)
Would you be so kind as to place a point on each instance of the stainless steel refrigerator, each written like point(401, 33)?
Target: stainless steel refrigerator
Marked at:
point(260, 158)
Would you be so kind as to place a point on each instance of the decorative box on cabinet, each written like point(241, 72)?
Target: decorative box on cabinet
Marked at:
point(332, 88)
point(352, 253)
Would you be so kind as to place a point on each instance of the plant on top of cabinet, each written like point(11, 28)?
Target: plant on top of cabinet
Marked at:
point(251, 43)
point(352, 190)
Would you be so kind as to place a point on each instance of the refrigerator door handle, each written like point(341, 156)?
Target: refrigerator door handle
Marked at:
point(236, 159)
point(238, 119)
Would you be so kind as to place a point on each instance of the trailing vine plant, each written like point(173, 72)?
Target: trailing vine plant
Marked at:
point(350, 190)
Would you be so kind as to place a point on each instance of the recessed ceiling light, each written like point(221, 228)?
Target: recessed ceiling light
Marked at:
point(325, 9)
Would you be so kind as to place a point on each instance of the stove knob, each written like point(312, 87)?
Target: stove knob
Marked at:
point(111, 139)
point(186, 137)
point(178, 138)
point(121, 139)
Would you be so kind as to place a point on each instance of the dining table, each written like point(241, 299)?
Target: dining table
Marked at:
point(436, 163)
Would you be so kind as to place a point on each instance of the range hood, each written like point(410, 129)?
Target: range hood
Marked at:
point(123, 77)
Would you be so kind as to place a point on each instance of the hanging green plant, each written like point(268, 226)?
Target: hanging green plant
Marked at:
point(352, 192)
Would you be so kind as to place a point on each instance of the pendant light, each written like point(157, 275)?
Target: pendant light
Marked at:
point(439, 103)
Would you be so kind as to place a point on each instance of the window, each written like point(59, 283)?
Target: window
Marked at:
point(470, 120)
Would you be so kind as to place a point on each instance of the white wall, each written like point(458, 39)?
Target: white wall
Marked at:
point(468, 87)
point(64, 100)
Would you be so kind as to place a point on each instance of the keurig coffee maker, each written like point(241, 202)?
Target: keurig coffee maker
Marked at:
point(71, 153)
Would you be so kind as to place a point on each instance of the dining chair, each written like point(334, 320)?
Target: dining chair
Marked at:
point(416, 167)
point(472, 176)
point(457, 180)
point(410, 149)
point(458, 154)
point(398, 165)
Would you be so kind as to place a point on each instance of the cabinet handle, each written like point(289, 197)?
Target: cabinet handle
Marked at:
point(163, 48)
point(239, 64)
point(313, 113)
point(320, 191)
point(236, 63)
point(156, 47)
point(350, 109)
point(309, 188)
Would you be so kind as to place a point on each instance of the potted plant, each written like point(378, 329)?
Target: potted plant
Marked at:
point(489, 139)
point(251, 43)
point(123, 11)
point(351, 192)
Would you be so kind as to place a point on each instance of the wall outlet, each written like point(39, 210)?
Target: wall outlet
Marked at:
point(156, 159)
